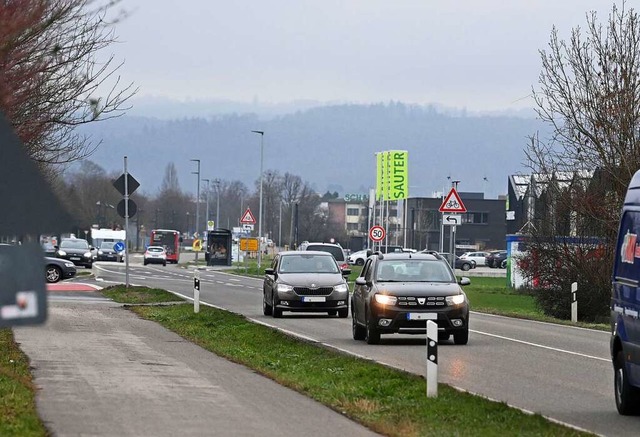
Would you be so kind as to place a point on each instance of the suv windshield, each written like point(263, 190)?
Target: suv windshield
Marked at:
point(414, 270)
point(74, 244)
point(334, 250)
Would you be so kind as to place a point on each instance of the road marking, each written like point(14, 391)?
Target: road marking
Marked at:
point(606, 360)
point(72, 286)
point(539, 322)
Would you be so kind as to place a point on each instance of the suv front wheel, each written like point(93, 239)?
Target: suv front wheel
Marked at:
point(372, 335)
point(461, 337)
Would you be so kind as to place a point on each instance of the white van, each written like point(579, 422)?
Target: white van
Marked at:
point(625, 304)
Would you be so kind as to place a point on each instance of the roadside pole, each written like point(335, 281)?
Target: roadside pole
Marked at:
point(432, 359)
point(574, 302)
point(196, 290)
point(126, 224)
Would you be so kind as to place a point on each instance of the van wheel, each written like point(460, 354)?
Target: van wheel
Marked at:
point(627, 396)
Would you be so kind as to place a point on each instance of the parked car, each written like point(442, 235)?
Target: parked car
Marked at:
point(462, 264)
point(496, 259)
point(332, 248)
point(478, 257)
point(399, 292)
point(309, 281)
point(76, 250)
point(155, 255)
point(107, 252)
point(57, 269)
point(358, 258)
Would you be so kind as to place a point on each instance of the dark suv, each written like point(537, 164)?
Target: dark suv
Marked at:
point(399, 292)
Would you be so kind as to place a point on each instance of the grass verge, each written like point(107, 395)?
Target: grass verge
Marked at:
point(18, 415)
point(138, 295)
point(388, 401)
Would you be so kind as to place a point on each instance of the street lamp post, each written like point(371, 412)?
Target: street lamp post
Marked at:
point(260, 207)
point(206, 216)
point(280, 226)
point(197, 172)
point(216, 183)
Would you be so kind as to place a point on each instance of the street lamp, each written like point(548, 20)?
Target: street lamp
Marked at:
point(216, 183)
point(206, 217)
point(261, 133)
point(197, 172)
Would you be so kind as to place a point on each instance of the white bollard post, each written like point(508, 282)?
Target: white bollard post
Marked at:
point(574, 302)
point(196, 291)
point(432, 359)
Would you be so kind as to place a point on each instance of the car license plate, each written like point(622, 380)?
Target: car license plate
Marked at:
point(422, 316)
point(74, 258)
point(314, 299)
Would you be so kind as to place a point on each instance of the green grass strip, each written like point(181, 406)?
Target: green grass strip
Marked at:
point(139, 295)
point(18, 415)
point(386, 400)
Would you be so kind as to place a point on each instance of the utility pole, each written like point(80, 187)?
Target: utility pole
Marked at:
point(197, 172)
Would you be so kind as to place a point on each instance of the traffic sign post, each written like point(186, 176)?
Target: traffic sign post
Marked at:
point(126, 185)
point(452, 204)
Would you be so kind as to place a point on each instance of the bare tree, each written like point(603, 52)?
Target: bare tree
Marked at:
point(589, 93)
point(51, 80)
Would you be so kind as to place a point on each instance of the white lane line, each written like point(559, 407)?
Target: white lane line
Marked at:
point(539, 322)
point(606, 360)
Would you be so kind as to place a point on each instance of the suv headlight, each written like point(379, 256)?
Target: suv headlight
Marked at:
point(62, 253)
point(100, 252)
point(68, 264)
point(284, 288)
point(87, 254)
point(458, 299)
point(384, 299)
point(341, 288)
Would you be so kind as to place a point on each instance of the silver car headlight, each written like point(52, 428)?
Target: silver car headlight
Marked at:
point(458, 299)
point(284, 288)
point(342, 288)
point(62, 253)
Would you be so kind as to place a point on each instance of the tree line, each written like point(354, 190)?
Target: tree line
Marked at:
point(90, 197)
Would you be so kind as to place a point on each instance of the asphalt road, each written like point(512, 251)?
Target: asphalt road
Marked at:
point(563, 373)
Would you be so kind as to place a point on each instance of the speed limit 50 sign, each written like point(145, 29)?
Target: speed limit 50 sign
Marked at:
point(377, 233)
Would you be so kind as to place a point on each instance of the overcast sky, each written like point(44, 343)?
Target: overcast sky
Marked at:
point(478, 54)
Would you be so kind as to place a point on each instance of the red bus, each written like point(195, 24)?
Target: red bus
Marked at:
point(170, 240)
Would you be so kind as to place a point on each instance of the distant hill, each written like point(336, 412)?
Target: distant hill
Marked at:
point(332, 147)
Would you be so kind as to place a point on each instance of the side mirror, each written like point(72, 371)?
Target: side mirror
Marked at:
point(360, 281)
point(369, 253)
point(269, 271)
point(346, 272)
point(56, 247)
point(464, 281)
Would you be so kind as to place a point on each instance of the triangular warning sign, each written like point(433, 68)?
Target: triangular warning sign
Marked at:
point(452, 203)
point(248, 218)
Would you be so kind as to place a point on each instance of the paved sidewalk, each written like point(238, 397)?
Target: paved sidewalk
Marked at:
point(103, 371)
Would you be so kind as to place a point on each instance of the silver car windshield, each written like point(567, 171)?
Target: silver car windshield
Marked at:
point(413, 270)
point(308, 264)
